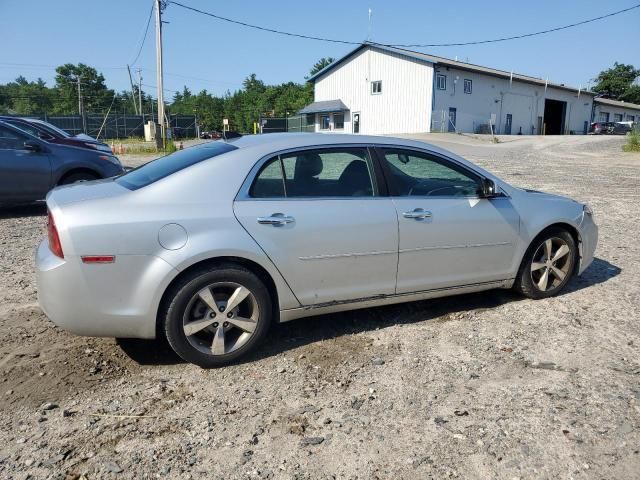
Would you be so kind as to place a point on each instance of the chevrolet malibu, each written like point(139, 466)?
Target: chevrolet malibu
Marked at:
point(210, 245)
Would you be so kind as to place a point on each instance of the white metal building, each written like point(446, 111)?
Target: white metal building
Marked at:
point(607, 110)
point(378, 90)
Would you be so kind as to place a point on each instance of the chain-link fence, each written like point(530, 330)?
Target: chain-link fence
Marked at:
point(118, 125)
point(299, 123)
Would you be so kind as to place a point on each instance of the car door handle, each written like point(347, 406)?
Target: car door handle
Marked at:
point(417, 214)
point(275, 219)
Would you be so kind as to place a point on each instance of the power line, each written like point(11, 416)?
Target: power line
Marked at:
point(525, 35)
point(146, 31)
point(413, 45)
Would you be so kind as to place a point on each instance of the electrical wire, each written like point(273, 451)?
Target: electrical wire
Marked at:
point(406, 45)
point(146, 32)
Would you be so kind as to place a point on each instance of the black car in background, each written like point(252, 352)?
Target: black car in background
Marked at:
point(52, 134)
point(30, 166)
point(609, 128)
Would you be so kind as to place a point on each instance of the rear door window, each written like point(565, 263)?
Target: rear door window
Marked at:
point(336, 172)
point(169, 164)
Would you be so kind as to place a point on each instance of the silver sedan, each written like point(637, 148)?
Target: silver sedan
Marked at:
point(209, 245)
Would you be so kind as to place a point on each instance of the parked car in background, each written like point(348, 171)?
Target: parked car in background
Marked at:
point(610, 128)
point(214, 135)
point(209, 245)
point(30, 166)
point(52, 134)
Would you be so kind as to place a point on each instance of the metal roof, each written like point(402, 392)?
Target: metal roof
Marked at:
point(447, 62)
point(617, 103)
point(325, 106)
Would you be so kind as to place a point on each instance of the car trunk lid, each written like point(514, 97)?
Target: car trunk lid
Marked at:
point(82, 191)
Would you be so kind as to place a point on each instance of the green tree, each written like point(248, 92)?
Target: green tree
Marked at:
point(632, 95)
point(617, 82)
point(320, 64)
point(25, 98)
point(96, 96)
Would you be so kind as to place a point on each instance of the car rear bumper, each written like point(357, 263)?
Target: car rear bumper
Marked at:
point(101, 300)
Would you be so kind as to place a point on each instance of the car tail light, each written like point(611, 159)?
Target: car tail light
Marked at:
point(54, 238)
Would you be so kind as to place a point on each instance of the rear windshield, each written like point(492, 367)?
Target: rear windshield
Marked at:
point(169, 164)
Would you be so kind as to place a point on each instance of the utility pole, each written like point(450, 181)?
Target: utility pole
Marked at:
point(140, 94)
point(81, 106)
point(133, 98)
point(159, 74)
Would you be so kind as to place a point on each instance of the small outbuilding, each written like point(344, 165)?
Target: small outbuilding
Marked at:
point(607, 110)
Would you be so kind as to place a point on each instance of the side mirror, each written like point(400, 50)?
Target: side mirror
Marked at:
point(489, 188)
point(32, 146)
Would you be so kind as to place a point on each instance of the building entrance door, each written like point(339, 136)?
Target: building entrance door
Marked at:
point(452, 119)
point(507, 125)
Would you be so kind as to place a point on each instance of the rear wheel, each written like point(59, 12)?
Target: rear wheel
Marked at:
point(77, 177)
point(216, 316)
point(548, 264)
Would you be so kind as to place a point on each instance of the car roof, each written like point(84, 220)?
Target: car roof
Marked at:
point(272, 142)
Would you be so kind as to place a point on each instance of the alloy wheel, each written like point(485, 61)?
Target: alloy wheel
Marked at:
point(220, 318)
point(551, 264)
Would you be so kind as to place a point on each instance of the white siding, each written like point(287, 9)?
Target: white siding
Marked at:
point(627, 113)
point(404, 106)
point(493, 95)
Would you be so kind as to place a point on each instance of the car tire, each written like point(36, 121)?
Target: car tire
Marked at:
point(548, 264)
point(77, 177)
point(198, 325)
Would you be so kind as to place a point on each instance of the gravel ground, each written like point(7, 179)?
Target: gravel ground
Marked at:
point(488, 385)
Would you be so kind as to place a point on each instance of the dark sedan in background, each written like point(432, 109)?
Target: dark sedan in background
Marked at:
point(52, 134)
point(30, 166)
point(610, 128)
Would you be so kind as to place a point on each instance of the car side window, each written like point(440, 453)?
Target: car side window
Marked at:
point(338, 172)
point(419, 174)
point(10, 140)
point(269, 182)
point(29, 129)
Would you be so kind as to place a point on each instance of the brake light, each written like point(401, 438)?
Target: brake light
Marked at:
point(54, 238)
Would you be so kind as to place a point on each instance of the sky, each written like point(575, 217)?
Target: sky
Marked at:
point(204, 53)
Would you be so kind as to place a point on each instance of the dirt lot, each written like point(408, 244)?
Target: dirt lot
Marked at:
point(479, 386)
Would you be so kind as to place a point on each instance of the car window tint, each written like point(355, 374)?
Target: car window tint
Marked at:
point(269, 182)
point(10, 140)
point(26, 127)
point(418, 174)
point(169, 164)
point(343, 172)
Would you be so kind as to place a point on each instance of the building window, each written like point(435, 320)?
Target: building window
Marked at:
point(311, 119)
point(604, 116)
point(376, 87)
point(338, 121)
point(468, 86)
point(324, 122)
point(441, 82)
point(617, 117)
point(631, 118)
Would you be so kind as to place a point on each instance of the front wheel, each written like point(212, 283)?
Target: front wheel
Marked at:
point(217, 315)
point(548, 264)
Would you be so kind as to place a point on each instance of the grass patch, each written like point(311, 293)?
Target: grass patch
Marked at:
point(633, 142)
